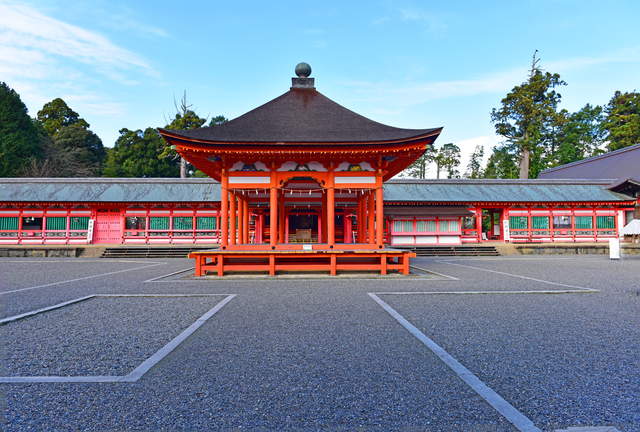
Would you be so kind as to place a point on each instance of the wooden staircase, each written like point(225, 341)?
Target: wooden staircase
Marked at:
point(152, 252)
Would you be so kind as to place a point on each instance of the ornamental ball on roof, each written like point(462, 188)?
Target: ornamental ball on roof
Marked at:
point(303, 70)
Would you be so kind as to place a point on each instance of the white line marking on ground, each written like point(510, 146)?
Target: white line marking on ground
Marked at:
point(520, 421)
point(164, 351)
point(165, 295)
point(138, 372)
point(581, 291)
point(518, 276)
point(79, 279)
point(432, 272)
point(170, 274)
point(529, 257)
point(416, 278)
point(47, 309)
point(75, 261)
point(55, 379)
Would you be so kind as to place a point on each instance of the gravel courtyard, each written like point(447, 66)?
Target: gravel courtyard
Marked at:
point(530, 343)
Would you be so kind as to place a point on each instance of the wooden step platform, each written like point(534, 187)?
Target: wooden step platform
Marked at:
point(294, 258)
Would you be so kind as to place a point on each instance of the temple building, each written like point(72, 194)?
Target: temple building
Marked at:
point(302, 179)
point(621, 166)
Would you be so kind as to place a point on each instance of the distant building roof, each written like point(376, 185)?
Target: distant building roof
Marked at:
point(109, 190)
point(500, 191)
point(622, 165)
point(196, 190)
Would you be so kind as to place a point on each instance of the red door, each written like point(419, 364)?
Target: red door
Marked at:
point(108, 226)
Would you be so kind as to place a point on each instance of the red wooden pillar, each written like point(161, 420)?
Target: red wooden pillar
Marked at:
point(260, 228)
point(479, 224)
point(379, 213)
point(272, 264)
point(286, 229)
point(240, 220)
point(281, 217)
point(358, 216)
point(273, 211)
point(232, 211)
point(69, 226)
point(20, 216)
point(247, 218)
point(325, 225)
point(372, 220)
point(220, 265)
point(331, 219)
point(347, 229)
point(224, 211)
point(198, 265)
point(362, 217)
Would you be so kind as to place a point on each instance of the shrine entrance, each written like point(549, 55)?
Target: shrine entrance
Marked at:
point(302, 227)
point(108, 227)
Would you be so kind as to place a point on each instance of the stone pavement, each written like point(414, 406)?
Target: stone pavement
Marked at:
point(528, 343)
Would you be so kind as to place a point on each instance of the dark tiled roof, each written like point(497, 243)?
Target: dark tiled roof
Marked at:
point(172, 190)
point(622, 165)
point(302, 116)
point(109, 190)
point(500, 191)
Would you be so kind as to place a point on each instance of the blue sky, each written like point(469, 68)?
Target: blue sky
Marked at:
point(411, 64)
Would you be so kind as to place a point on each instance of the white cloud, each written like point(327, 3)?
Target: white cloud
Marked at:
point(466, 148)
point(31, 45)
point(123, 21)
point(409, 93)
point(624, 56)
point(469, 145)
point(435, 24)
point(412, 93)
point(43, 58)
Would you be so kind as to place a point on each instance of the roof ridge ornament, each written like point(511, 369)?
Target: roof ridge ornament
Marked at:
point(303, 70)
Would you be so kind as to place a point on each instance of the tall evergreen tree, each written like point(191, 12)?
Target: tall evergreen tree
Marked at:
point(19, 140)
point(474, 168)
point(68, 147)
point(419, 168)
point(185, 118)
point(622, 120)
point(56, 114)
point(136, 154)
point(526, 114)
point(582, 137)
point(448, 159)
point(84, 147)
point(218, 120)
point(502, 164)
